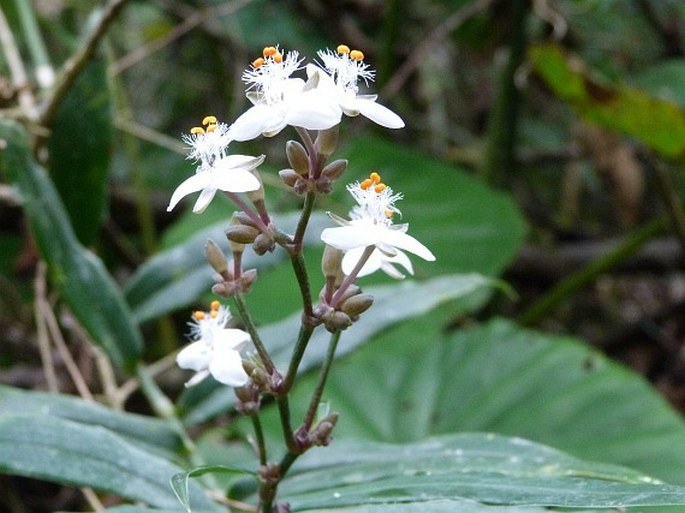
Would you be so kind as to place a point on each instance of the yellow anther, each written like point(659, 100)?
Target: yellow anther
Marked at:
point(269, 51)
point(380, 188)
point(215, 305)
point(375, 178)
point(278, 57)
point(343, 49)
point(389, 213)
point(357, 55)
point(258, 63)
point(211, 128)
point(214, 314)
point(365, 184)
point(199, 315)
point(209, 120)
point(197, 130)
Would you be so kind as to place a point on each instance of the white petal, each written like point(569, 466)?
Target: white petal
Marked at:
point(349, 237)
point(205, 198)
point(199, 376)
point(241, 161)
point(402, 240)
point(229, 339)
point(379, 114)
point(193, 184)
point(236, 180)
point(227, 368)
point(255, 121)
point(351, 258)
point(314, 111)
point(196, 356)
point(388, 265)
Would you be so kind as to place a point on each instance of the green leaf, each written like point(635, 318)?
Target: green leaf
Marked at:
point(80, 147)
point(79, 455)
point(179, 482)
point(486, 468)
point(178, 276)
point(502, 378)
point(449, 211)
point(78, 274)
point(392, 304)
point(153, 434)
point(658, 123)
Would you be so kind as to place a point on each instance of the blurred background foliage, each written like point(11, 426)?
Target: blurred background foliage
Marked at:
point(544, 145)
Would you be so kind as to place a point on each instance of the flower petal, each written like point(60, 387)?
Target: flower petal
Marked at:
point(255, 121)
point(349, 237)
point(230, 338)
point(227, 368)
point(193, 184)
point(351, 258)
point(388, 265)
point(402, 240)
point(236, 180)
point(242, 161)
point(378, 113)
point(314, 110)
point(196, 356)
point(205, 198)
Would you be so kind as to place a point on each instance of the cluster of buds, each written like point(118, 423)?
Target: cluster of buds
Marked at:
point(320, 436)
point(245, 230)
point(227, 281)
point(307, 172)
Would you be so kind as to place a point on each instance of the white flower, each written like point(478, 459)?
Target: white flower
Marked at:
point(279, 100)
point(216, 171)
point(345, 67)
point(215, 349)
point(371, 224)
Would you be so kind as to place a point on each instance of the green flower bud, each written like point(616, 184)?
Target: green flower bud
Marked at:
point(327, 141)
point(298, 157)
point(357, 305)
point(215, 256)
point(241, 234)
point(335, 169)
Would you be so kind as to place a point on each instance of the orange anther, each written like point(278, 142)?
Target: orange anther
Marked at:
point(258, 63)
point(278, 57)
point(215, 305)
point(214, 314)
point(197, 130)
point(357, 55)
point(208, 120)
point(380, 188)
point(343, 49)
point(199, 315)
point(269, 51)
point(366, 184)
point(389, 213)
point(375, 177)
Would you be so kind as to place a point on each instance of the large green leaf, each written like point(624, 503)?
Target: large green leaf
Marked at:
point(658, 123)
point(486, 468)
point(79, 274)
point(80, 147)
point(392, 304)
point(153, 434)
point(76, 454)
point(412, 382)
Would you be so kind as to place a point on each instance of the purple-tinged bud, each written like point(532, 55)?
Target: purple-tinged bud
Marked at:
point(288, 176)
point(357, 304)
point(264, 243)
point(241, 234)
point(335, 169)
point(215, 256)
point(297, 157)
point(327, 141)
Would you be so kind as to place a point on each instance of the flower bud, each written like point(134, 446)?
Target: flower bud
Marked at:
point(215, 256)
point(335, 169)
point(301, 186)
point(327, 141)
point(223, 289)
point(243, 218)
point(352, 290)
point(321, 434)
point(331, 262)
point(357, 305)
point(336, 321)
point(241, 234)
point(247, 279)
point(324, 185)
point(263, 243)
point(298, 157)
point(288, 176)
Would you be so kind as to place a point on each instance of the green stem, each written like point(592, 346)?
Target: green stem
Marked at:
point(300, 269)
point(302, 340)
point(572, 283)
point(321, 383)
point(502, 128)
point(259, 438)
point(252, 330)
point(674, 207)
point(307, 208)
point(286, 424)
point(34, 40)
